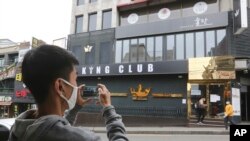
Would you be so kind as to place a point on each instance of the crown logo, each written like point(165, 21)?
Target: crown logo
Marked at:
point(140, 94)
point(88, 48)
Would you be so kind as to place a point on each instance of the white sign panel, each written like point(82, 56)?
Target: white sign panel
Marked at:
point(236, 101)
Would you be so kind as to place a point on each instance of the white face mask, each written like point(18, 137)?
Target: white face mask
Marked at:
point(72, 100)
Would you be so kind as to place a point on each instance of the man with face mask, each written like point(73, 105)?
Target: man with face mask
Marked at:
point(50, 74)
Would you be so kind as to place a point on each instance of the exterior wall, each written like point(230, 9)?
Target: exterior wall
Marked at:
point(239, 44)
point(218, 16)
point(88, 8)
point(152, 106)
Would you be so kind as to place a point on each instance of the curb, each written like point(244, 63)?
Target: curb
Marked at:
point(173, 132)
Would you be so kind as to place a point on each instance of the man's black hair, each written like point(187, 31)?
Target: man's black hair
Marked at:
point(43, 65)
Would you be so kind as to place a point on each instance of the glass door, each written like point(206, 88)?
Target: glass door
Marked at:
point(215, 94)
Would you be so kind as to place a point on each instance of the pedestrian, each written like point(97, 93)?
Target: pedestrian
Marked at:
point(49, 72)
point(228, 114)
point(201, 110)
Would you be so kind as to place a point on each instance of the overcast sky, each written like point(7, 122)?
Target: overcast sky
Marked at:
point(20, 20)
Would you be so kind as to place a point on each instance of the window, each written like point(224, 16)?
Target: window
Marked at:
point(142, 50)
point(80, 2)
point(150, 49)
point(189, 45)
point(118, 52)
point(220, 36)
point(125, 51)
point(92, 21)
point(12, 58)
point(90, 56)
point(105, 52)
point(92, 1)
point(179, 46)
point(210, 43)
point(170, 47)
point(199, 44)
point(78, 51)
point(133, 50)
point(158, 48)
point(106, 19)
point(1, 61)
point(79, 24)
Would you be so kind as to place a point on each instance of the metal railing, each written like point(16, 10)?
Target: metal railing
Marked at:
point(166, 112)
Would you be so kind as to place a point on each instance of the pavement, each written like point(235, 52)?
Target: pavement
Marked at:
point(202, 130)
point(169, 130)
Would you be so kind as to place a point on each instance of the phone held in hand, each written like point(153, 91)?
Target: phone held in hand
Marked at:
point(90, 92)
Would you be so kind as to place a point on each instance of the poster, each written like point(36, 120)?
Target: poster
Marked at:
point(236, 101)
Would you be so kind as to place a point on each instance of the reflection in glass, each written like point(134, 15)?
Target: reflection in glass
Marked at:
point(92, 21)
point(221, 42)
point(189, 45)
point(90, 56)
point(200, 47)
point(179, 46)
point(220, 35)
point(79, 24)
point(158, 48)
point(141, 50)
point(150, 49)
point(133, 50)
point(106, 19)
point(210, 43)
point(170, 47)
point(118, 52)
point(80, 2)
point(125, 51)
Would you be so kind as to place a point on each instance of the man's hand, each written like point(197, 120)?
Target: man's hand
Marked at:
point(104, 95)
point(80, 101)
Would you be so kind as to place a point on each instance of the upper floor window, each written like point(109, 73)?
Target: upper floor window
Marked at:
point(92, 21)
point(80, 2)
point(92, 1)
point(172, 47)
point(1, 62)
point(106, 19)
point(79, 24)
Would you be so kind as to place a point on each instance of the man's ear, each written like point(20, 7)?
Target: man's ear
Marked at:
point(58, 86)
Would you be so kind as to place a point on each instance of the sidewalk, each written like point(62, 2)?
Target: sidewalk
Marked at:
point(169, 130)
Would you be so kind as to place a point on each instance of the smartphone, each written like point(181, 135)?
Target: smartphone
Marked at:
point(90, 92)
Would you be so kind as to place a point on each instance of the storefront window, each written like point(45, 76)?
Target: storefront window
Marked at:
point(189, 45)
point(170, 47)
point(158, 48)
point(220, 35)
point(118, 52)
point(125, 51)
point(150, 49)
point(210, 43)
point(142, 50)
point(133, 50)
point(200, 47)
point(179, 46)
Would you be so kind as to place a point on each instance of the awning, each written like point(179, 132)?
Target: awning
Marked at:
point(5, 103)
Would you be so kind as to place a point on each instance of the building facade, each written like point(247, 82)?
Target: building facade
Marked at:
point(158, 57)
point(9, 54)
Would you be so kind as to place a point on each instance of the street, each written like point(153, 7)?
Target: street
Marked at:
point(171, 137)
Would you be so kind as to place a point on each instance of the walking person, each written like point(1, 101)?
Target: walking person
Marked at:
point(228, 114)
point(50, 74)
point(201, 110)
